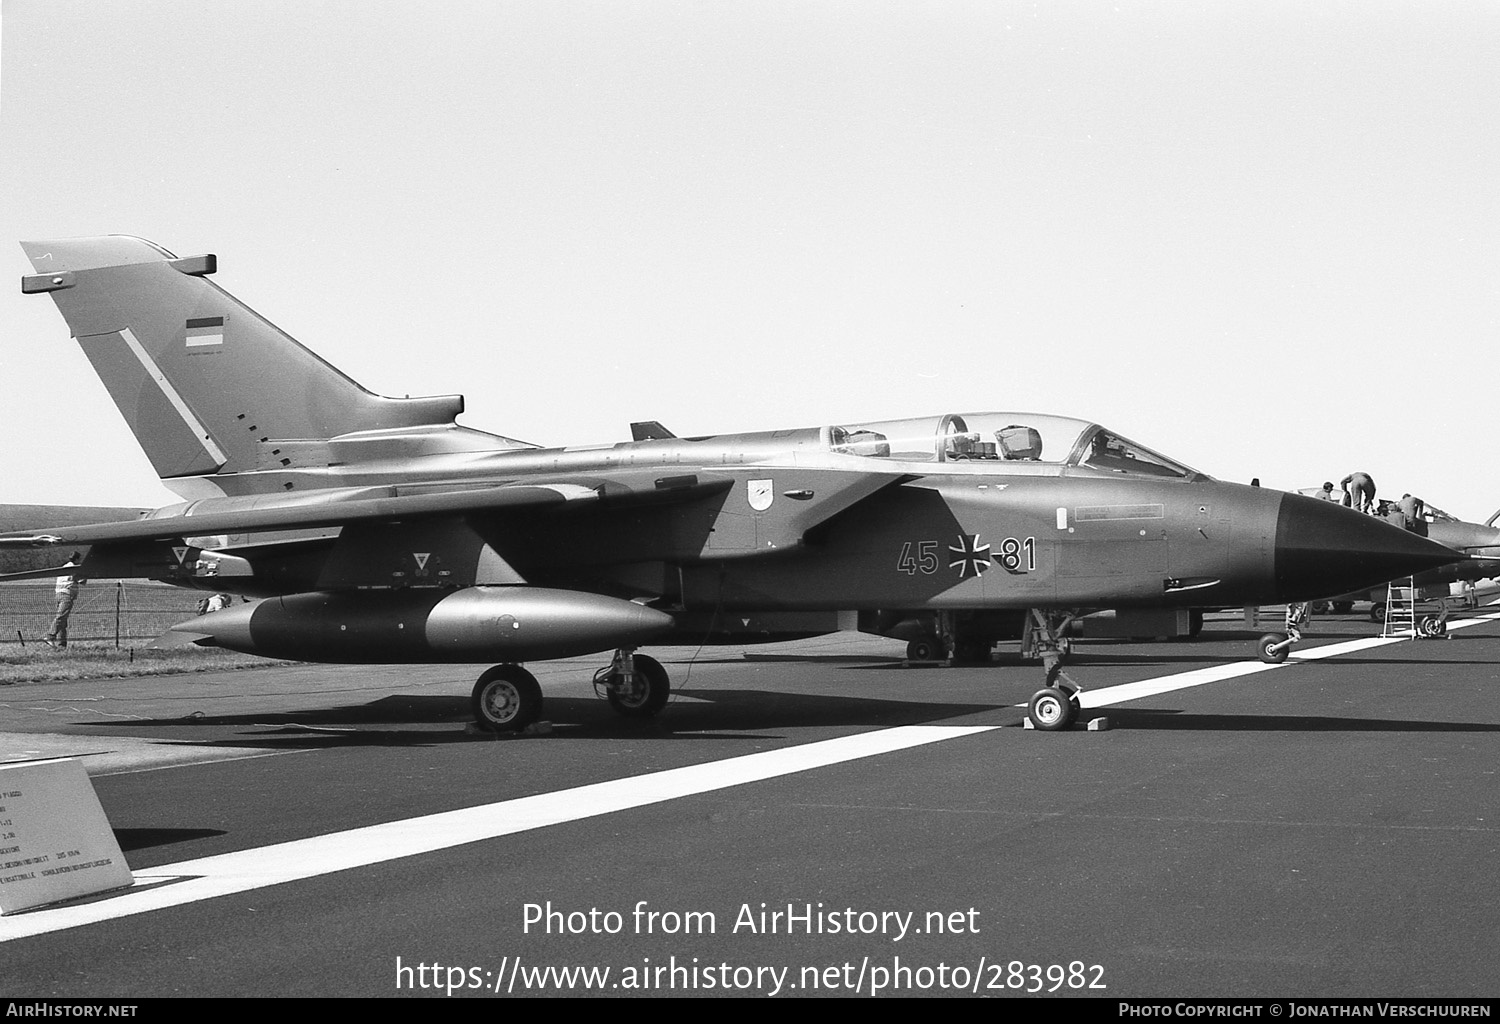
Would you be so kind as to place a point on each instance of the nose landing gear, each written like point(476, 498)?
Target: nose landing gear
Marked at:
point(1273, 648)
point(1055, 707)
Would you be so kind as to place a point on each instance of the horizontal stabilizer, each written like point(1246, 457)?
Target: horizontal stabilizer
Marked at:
point(620, 490)
point(296, 517)
point(39, 574)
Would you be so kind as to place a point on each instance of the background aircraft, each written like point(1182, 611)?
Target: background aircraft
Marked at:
point(380, 530)
point(1479, 544)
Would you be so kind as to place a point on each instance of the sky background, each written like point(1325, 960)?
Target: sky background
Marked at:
point(1259, 237)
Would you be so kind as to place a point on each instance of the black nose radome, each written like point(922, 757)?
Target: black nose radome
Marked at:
point(1323, 549)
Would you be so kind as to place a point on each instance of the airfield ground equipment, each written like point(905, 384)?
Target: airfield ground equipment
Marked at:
point(1403, 605)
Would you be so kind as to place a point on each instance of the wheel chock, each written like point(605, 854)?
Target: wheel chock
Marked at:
point(540, 728)
point(1100, 724)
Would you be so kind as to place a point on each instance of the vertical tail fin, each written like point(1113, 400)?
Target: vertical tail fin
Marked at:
point(207, 385)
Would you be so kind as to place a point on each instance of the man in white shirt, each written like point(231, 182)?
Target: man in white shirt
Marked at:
point(66, 592)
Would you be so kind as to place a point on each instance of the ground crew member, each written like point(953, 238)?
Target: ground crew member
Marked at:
point(1359, 491)
point(1327, 492)
point(1412, 508)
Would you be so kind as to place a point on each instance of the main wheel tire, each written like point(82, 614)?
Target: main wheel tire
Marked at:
point(648, 693)
point(1268, 648)
point(1051, 710)
point(506, 698)
point(1433, 626)
point(928, 648)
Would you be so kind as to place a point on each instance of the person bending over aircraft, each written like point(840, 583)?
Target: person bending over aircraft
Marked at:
point(1359, 491)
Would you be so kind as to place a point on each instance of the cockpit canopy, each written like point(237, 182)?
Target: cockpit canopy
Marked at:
point(1007, 437)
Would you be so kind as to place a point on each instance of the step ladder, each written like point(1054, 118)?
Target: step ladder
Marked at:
point(1400, 609)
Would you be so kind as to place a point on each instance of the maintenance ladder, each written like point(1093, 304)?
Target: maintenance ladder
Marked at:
point(1400, 609)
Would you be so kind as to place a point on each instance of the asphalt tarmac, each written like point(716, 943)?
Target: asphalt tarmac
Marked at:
point(807, 818)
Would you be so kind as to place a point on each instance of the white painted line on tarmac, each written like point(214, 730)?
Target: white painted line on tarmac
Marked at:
point(1473, 620)
point(202, 761)
point(171, 885)
point(1108, 695)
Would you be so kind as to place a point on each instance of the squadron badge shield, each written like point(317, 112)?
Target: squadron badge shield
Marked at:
point(760, 494)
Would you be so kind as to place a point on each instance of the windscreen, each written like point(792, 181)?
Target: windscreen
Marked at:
point(1108, 451)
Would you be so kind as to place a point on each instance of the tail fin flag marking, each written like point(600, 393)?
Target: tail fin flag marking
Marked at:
point(202, 331)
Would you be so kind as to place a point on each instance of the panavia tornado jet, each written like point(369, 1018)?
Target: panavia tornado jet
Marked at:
point(379, 530)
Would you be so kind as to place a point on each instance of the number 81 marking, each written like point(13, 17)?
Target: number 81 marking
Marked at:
point(1016, 555)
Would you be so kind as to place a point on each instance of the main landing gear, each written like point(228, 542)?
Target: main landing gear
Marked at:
point(507, 699)
point(929, 647)
point(635, 685)
point(960, 638)
point(1054, 707)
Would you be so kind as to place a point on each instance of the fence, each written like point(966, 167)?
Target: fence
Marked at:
point(122, 612)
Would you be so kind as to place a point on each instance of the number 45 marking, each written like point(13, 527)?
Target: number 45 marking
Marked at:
point(925, 561)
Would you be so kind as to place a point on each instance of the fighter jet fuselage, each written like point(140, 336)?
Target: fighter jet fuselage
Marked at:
point(384, 531)
point(731, 523)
